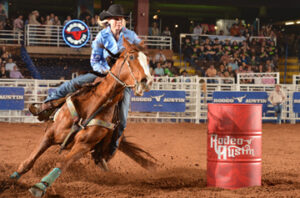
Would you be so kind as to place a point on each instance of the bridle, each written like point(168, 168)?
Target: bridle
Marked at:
point(125, 85)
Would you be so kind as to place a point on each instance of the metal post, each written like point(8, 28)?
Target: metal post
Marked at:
point(130, 20)
point(180, 52)
point(285, 62)
point(57, 27)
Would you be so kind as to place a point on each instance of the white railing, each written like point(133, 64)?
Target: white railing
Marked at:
point(258, 78)
point(196, 98)
point(11, 37)
point(50, 35)
point(296, 79)
point(162, 42)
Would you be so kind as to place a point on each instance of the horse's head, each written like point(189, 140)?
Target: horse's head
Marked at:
point(135, 69)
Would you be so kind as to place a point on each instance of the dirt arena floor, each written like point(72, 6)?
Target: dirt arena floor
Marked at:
point(180, 150)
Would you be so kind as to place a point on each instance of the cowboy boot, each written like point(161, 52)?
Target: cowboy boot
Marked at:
point(45, 110)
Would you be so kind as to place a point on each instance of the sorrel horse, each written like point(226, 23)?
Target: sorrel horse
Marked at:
point(130, 70)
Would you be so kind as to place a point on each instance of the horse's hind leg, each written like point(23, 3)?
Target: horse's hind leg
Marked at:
point(26, 165)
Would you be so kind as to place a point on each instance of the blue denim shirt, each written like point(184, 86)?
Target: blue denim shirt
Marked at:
point(105, 37)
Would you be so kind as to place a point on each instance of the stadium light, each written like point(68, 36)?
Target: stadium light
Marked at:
point(290, 23)
point(298, 22)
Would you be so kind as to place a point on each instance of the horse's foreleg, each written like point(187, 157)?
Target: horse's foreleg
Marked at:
point(77, 151)
point(26, 165)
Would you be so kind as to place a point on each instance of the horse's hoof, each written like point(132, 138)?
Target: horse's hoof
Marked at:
point(15, 176)
point(103, 165)
point(38, 190)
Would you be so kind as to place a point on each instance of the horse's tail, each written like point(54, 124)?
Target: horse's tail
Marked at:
point(139, 155)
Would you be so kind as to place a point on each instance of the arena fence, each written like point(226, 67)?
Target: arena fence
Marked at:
point(196, 99)
point(11, 37)
point(258, 78)
point(51, 35)
point(296, 79)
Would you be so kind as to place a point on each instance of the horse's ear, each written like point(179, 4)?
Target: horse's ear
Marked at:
point(126, 43)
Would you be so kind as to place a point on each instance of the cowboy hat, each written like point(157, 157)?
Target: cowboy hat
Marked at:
point(115, 10)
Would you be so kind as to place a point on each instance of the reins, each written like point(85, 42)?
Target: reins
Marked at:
point(131, 73)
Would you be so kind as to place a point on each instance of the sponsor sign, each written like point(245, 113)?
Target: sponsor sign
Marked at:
point(231, 147)
point(159, 101)
point(76, 33)
point(11, 98)
point(241, 98)
point(296, 102)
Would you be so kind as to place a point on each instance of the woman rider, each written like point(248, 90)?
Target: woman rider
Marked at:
point(112, 38)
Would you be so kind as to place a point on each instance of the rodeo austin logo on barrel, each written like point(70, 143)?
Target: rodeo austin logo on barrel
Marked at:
point(230, 147)
point(76, 33)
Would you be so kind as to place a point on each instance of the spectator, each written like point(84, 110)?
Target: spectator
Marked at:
point(6, 55)
point(87, 20)
point(160, 57)
point(67, 19)
point(93, 22)
point(33, 18)
point(56, 21)
point(52, 17)
point(233, 64)
point(15, 73)
point(222, 69)
point(42, 20)
point(4, 73)
point(170, 70)
point(188, 51)
point(18, 24)
point(154, 31)
point(8, 25)
point(159, 71)
point(48, 28)
point(277, 98)
point(231, 72)
point(235, 30)
point(166, 32)
point(9, 66)
point(211, 71)
point(3, 17)
point(225, 57)
point(185, 75)
point(209, 53)
point(197, 30)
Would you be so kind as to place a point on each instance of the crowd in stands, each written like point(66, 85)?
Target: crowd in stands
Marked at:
point(34, 18)
point(226, 58)
point(9, 68)
point(61, 68)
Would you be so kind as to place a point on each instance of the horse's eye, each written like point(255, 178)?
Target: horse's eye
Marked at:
point(131, 57)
